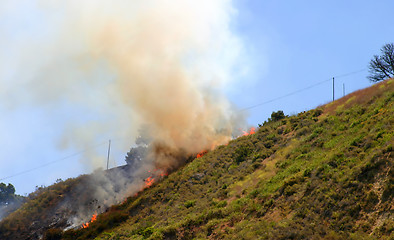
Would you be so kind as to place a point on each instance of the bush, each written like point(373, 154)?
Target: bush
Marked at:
point(53, 234)
point(190, 203)
point(276, 116)
point(242, 153)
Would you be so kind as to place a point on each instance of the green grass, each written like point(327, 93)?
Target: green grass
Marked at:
point(313, 175)
point(323, 174)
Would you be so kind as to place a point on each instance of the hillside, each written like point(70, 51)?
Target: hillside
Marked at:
point(325, 173)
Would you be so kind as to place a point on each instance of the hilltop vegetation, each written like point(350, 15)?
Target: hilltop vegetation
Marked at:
point(9, 201)
point(325, 173)
point(64, 204)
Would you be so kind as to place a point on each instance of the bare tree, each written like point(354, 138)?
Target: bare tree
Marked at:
point(382, 67)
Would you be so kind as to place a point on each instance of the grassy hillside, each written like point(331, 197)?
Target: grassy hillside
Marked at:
point(64, 204)
point(325, 173)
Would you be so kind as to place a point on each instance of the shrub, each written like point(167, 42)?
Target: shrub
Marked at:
point(276, 116)
point(190, 203)
point(221, 204)
point(53, 234)
point(371, 200)
point(388, 191)
point(241, 153)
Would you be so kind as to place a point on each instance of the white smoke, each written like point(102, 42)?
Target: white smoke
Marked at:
point(111, 66)
point(117, 64)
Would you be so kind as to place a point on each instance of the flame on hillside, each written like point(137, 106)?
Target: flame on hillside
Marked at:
point(202, 153)
point(94, 218)
point(155, 174)
point(252, 130)
point(149, 182)
point(127, 64)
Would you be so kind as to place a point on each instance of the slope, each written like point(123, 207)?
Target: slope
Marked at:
point(325, 173)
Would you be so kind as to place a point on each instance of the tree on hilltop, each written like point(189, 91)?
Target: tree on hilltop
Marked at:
point(382, 67)
point(9, 201)
point(276, 116)
point(7, 193)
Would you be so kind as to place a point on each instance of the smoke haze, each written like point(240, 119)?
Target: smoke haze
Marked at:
point(106, 68)
point(119, 64)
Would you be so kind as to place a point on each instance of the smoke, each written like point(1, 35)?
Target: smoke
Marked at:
point(109, 67)
point(171, 58)
point(119, 64)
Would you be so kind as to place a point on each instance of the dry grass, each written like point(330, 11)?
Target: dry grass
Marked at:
point(359, 97)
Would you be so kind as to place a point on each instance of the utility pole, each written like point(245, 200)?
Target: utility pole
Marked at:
point(109, 150)
point(333, 94)
point(343, 89)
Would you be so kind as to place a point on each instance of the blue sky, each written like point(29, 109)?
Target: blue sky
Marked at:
point(287, 46)
point(300, 43)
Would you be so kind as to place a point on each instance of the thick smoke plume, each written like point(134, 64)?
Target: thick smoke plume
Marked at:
point(121, 64)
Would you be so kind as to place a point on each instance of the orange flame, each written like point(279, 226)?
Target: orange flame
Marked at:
point(252, 130)
point(94, 218)
point(159, 172)
point(202, 153)
point(149, 181)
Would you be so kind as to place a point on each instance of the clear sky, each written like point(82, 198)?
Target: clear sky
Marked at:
point(286, 46)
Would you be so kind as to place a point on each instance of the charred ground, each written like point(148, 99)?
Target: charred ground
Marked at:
point(325, 173)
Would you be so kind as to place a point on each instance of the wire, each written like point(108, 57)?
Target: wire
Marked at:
point(243, 109)
point(301, 90)
point(49, 163)
point(350, 73)
point(286, 95)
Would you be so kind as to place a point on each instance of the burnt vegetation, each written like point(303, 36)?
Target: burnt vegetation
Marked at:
point(322, 174)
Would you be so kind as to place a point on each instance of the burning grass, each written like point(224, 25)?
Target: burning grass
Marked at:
point(331, 168)
point(94, 218)
point(289, 174)
point(252, 130)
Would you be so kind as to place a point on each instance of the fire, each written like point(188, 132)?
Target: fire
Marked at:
point(202, 153)
point(251, 131)
point(94, 218)
point(149, 181)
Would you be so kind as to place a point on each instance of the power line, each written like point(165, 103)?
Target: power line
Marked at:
point(244, 109)
point(350, 73)
point(301, 90)
point(49, 163)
